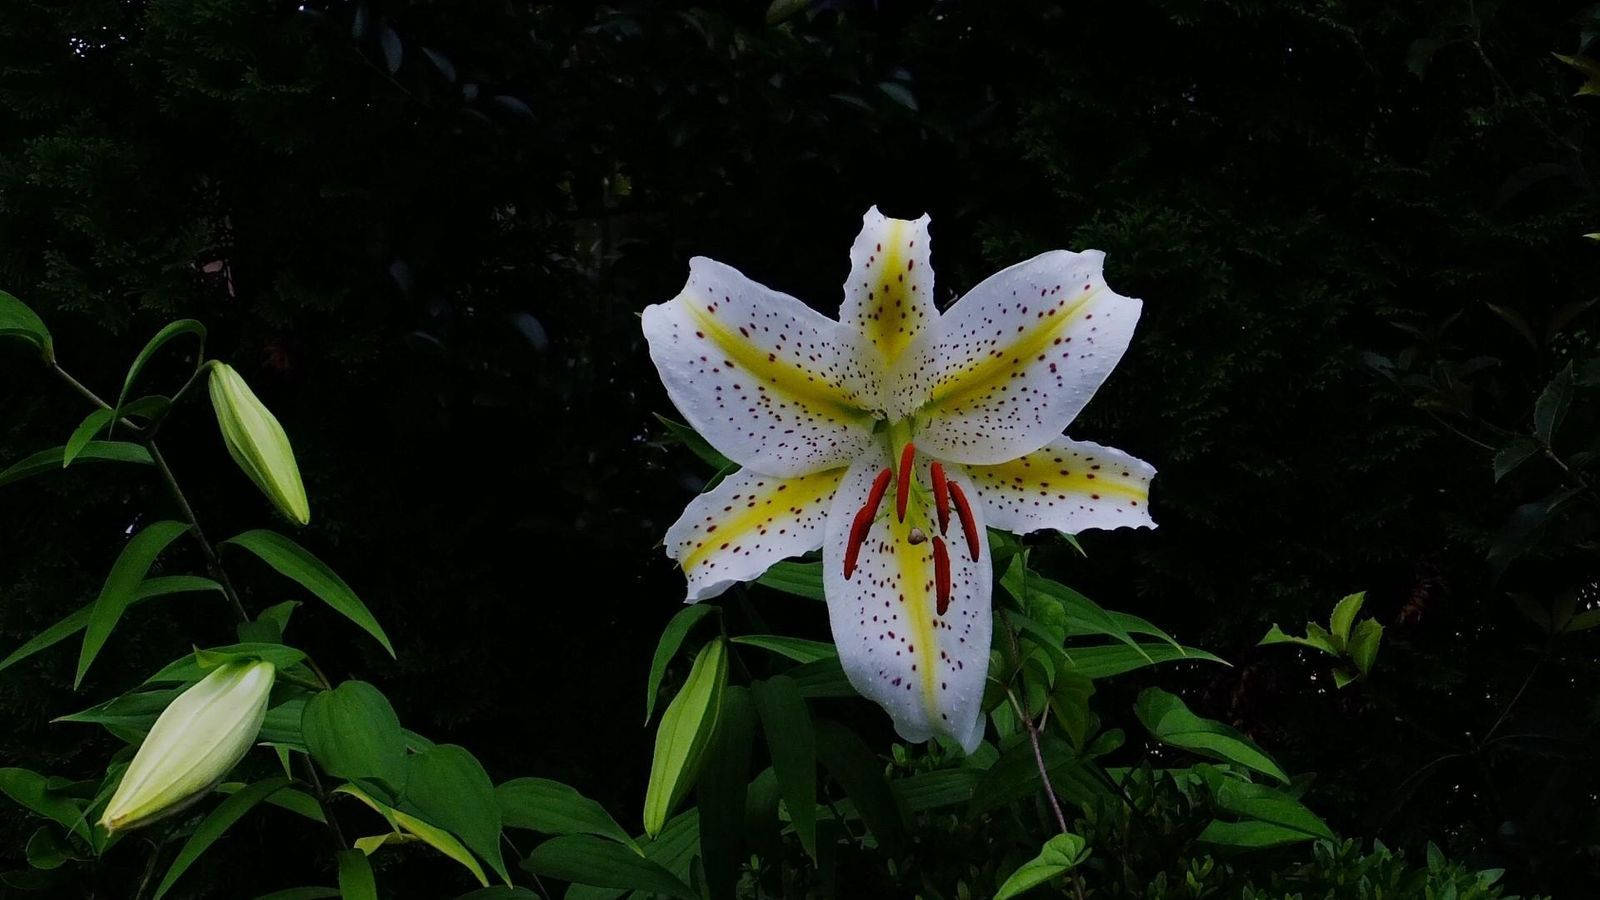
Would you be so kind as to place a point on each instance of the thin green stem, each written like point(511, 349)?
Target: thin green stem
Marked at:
point(213, 561)
point(91, 396)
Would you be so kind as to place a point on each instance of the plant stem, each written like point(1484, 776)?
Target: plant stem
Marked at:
point(1038, 758)
point(213, 562)
point(91, 396)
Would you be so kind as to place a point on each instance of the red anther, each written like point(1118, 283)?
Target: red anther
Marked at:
point(941, 495)
point(902, 490)
point(858, 536)
point(879, 486)
point(941, 574)
point(968, 523)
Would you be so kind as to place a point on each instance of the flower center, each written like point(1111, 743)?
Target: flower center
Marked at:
point(904, 473)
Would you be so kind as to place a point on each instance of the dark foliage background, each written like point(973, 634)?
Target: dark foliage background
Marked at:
point(424, 230)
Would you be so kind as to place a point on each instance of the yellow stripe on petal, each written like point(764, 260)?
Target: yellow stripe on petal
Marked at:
point(889, 294)
point(776, 371)
point(1068, 486)
point(739, 528)
point(980, 377)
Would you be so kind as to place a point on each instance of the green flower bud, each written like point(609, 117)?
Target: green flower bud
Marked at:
point(198, 738)
point(257, 443)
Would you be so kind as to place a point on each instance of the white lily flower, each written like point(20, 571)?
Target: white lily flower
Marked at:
point(891, 439)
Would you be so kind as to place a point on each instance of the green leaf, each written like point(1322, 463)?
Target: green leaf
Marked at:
point(94, 451)
point(1262, 802)
point(1106, 660)
point(780, 11)
point(1364, 644)
point(1060, 854)
point(213, 826)
point(298, 802)
point(798, 649)
point(297, 564)
point(933, 790)
point(1344, 615)
point(851, 763)
point(133, 711)
point(823, 678)
point(33, 792)
point(1512, 455)
point(355, 876)
point(447, 786)
point(301, 893)
point(121, 586)
point(690, 438)
point(540, 804)
point(803, 579)
point(1171, 722)
point(173, 330)
point(409, 825)
point(685, 730)
point(195, 666)
point(75, 621)
point(47, 848)
point(353, 733)
point(269, 626)
point(792, 744)
point(1551, 407)
point(586, 859)
point(18, 321)
point(1250, 834)
point(1316, 640)
point(1082, 615)
point(678, 628)
point(86, 431)
point(722, 791)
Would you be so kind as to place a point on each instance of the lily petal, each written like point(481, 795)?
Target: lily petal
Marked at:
point(774, 385)
point(738, 529)
point(1020, 355)
point(1069, 486)
point(888, 297)
point(925, 669)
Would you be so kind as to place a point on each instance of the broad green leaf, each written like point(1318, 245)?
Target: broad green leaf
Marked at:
point(355, 876)
point(33, 792)
point(678, 628)
point(540, 804)
point(297, 564)
point(586, 859)
point(798, 649)
point(690, 438)
point(75, 622)
point(87, 430)
point(1082, 615)
point(432, 835)
point(1060, 854)
point(803, 579)
point(685, 730)
point(1250, 834)
point(1364, 644)
point(792, 744)
point(1106, 660)
point(298, 802)
point(1344, 616)
point(122, 585)
point(47, 848)
point(447, 786)
point(213, 826)
point(173, 330)
point(94, 451)
point(1171, 722)
point(1551, 407)
point(353, 733)
point(933, 790)
point(18, 321)
point(1512, 455)
point(851, 763)
point(721, 793)
point(1262, 802)
point(823, 678)
point(301, 893)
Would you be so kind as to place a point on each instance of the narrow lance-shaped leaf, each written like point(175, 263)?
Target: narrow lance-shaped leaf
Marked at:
point(1551, 407)
point(355, 876)
point(76, 620)
point(121, 585)
point(1344, 616)
point(1171, 722)
point(18, 321)
point(798, 649)
point(296, 563)
point(213, 826)
point(721, 794)
point(853, 765)
point(792, 743)
point(678, 628)
point(407, 824)
point(162, 338)
point(95, 451)
point(585, 859)
point(87, 431)
point(540, 804)
point(685, 730)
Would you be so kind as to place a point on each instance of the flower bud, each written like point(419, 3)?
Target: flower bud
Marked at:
point(257, 443)
point(198, 738)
